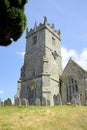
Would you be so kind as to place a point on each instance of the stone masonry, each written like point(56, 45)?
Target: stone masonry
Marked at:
point(42, 81)
point(40, 74)
point(74, 84)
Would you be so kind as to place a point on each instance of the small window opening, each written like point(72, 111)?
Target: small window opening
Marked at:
point(34, 39)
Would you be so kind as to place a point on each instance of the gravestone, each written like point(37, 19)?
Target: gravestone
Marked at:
point(86, 102)
point(76, 100)
point(48, 102)
point(24, 102)
point(8, 102)
point(17, 101)
point(57, 99)
point(37, 102)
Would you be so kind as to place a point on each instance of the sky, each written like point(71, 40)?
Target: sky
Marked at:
point(68, 16)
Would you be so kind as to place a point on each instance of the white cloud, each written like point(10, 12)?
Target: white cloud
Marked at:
point(81, 58)
point(1, 91)
point(21, 54)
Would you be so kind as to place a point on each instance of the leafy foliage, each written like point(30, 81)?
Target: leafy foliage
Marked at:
point(12, 20)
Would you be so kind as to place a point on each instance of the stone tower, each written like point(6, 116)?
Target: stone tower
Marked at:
point(40, 75)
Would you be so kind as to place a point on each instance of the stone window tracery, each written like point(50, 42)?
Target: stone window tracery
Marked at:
point(71, 88)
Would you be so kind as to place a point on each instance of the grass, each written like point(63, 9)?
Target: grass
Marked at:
point(43, 118)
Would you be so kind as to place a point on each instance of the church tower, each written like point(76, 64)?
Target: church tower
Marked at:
point(40, 75)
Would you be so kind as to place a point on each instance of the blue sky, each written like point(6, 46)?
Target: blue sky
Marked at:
point(68, 16)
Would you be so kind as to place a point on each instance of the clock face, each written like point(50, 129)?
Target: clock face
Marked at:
point(55, 55)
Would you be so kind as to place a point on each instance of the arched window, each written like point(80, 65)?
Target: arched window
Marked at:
point(76, 88)
point(71, 88)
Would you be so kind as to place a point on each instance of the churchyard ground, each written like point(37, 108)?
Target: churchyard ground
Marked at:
point(43, 118)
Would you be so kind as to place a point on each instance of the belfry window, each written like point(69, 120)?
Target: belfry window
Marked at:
point(34, 39)
point(53, 41)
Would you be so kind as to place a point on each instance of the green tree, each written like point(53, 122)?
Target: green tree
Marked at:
point(12, 20)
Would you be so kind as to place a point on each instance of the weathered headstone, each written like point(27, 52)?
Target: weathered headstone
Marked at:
point(37, 102)
point(48, 102)
point(17, 101)
point(57, 99)
point(24, 102)
point(86, 102)
point(8, 102)
point(76, 99)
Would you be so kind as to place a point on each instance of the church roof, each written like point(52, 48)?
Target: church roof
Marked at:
point(72, 61)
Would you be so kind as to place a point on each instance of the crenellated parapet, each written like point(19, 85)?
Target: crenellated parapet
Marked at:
point(43, 25)
point(39, 78)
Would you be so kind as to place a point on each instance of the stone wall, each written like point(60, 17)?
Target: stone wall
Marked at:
point(75, 77)
point(42, 65)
